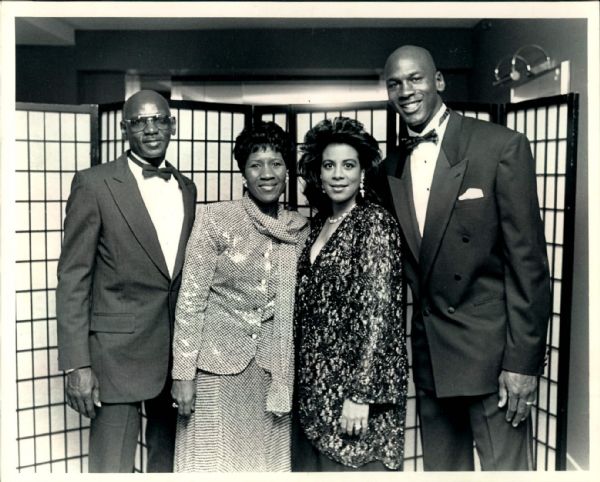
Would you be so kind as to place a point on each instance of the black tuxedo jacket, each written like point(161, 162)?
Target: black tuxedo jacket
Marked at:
point(115, 298)
point(479, 275)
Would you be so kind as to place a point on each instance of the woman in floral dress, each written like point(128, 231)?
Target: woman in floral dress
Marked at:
point(352, 365)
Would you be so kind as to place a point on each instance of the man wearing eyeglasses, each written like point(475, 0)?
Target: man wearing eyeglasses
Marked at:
point(127, 223)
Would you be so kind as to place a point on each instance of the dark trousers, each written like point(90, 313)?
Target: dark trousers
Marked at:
point(115, 429)
point(449, 426)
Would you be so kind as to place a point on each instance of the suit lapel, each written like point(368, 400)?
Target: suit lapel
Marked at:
point(126, 194)
point(402, 197)
point(188, 219)
point(447, 179)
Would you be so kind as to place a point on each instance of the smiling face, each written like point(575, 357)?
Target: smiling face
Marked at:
point(341, 174)
point(151, 142)
point(265, 175)
point(413, 85)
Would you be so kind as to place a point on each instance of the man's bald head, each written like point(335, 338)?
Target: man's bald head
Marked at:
point(413, 84)
point(413, 52)
point(145, 97)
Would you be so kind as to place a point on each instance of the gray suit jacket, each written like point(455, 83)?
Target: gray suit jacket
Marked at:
point(115, 300)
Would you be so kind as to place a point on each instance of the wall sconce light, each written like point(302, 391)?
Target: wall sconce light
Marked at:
point(528, 61)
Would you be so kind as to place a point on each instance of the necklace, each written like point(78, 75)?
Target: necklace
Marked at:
point(340, 217)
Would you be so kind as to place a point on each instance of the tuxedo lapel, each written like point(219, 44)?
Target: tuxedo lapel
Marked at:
point(126, 194)
point(402, 197)
point(447, 179)
point(188, 219)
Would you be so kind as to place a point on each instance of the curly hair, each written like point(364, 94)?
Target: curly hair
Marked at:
point(261, 136)
point(341, 130)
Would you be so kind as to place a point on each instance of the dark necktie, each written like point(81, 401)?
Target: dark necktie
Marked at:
point(148, 170)
point(410, 143)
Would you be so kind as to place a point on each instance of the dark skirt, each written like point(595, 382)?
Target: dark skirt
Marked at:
point(307, 458)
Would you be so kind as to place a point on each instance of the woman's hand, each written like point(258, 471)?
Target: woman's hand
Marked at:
point(355, 417)
point(184, 394)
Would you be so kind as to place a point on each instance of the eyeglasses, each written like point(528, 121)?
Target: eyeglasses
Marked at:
point(161, 121)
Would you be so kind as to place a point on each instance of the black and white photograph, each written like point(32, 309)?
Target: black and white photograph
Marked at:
point(248, 238)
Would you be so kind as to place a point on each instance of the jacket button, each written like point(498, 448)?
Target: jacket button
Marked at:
point(254, 336)
point(451, 309)
point(465, 239)
point(457, 277)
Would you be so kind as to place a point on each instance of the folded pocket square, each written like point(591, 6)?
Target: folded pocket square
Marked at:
point(471, 193)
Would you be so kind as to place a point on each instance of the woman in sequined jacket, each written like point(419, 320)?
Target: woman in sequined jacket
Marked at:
point(233, 337)
point(351, 367)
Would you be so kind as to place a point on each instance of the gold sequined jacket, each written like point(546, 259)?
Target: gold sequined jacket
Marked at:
point(231, 279)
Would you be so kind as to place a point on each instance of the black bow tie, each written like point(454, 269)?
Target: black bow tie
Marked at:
point(148, 170)
point(411, 142)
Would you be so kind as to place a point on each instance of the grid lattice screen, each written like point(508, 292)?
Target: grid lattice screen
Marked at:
point(112, 143)
point(52, 144)
point(546, 127)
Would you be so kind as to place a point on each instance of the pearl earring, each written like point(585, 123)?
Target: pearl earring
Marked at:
point(245, 183)
point(362, 186)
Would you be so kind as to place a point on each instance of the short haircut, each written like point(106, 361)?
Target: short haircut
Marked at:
point(261, 136)
point(341, 130)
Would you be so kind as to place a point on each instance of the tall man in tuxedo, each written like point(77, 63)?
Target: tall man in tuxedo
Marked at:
point(464, 192)
point(126, 227)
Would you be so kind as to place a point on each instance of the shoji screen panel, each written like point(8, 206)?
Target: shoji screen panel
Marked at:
point(202, 147)
point(53, 142)
point(550, 126)
point(112, 143)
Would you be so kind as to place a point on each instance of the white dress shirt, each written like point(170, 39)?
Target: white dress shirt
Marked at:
point(164, 202)
point(422, 165)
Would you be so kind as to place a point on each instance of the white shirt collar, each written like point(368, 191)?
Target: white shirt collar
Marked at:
point(434, 123)
point(162, 164)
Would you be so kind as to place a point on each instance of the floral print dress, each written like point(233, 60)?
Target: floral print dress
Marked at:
point(351, 339)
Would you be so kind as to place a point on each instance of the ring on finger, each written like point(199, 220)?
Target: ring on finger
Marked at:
point(175, 405)
point(529, 403)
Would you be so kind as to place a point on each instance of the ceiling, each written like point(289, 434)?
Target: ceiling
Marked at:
point(61, 30)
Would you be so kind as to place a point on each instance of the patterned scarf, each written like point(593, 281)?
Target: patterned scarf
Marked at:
point(288, 230)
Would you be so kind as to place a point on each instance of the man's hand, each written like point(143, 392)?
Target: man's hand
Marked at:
point(519, 391)
point(355, 417)
point(184, 394)
point(83, 391)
